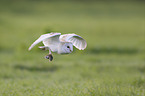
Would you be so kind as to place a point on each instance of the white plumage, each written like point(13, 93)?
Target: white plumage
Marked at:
point(61, 44)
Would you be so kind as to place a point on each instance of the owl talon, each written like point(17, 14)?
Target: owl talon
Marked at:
point(50, 57)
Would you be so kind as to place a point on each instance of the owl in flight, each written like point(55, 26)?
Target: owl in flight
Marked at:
point(61, 44)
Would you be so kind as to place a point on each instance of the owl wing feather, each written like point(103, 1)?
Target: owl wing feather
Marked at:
point(76, 40)
point(47, 38)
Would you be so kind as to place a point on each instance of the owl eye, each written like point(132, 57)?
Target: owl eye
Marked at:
point(68, 47)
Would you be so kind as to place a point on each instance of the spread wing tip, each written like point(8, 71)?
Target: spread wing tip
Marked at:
point(29, 48)
point(85, 45)
point(83, 48)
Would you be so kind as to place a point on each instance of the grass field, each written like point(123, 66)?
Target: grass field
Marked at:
point(113, 64)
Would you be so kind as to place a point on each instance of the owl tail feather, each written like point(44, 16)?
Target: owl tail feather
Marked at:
point(43, 47)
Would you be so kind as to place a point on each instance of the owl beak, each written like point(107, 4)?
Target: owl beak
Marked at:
point(70, 51)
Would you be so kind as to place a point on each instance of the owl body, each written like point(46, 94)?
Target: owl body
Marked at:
point(60, 47)
point(52, 43)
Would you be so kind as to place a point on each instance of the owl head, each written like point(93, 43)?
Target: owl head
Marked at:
point(65, 48)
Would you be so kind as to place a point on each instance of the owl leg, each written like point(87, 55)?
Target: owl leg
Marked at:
point(50, 57)
point(49, 51)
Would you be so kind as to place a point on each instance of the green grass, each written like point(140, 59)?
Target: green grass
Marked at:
point(113, 64)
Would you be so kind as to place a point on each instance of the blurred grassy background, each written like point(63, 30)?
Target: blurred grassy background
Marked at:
point(112, 65)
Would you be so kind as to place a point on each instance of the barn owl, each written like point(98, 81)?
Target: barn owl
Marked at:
point(61, 44)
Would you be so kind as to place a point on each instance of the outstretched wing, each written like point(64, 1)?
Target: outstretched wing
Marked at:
point(46, 37)
point(76, 40)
